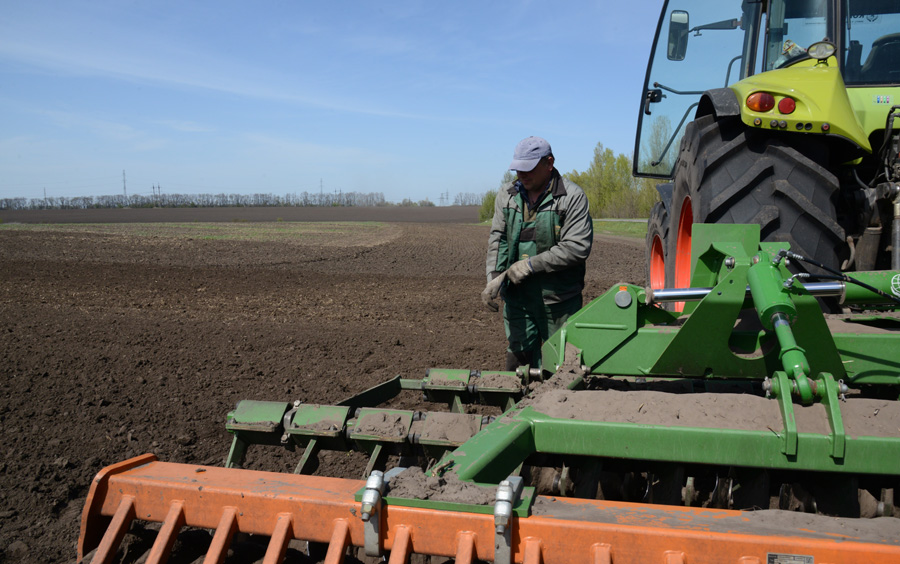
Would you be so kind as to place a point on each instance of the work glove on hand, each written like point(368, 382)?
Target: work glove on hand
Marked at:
point(520, 270)
point(491, 291)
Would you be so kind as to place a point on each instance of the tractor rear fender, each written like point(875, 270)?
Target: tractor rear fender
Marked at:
point(720, 102)
point(665, 193)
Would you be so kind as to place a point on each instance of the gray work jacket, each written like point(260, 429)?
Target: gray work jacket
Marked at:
point(561, 233)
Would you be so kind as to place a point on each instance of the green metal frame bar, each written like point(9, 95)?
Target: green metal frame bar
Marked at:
point(495, 452)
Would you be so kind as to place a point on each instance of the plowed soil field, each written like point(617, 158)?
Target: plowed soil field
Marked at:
point(119, 338)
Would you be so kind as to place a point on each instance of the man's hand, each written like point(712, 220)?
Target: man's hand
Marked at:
point(520, 270)
point(491, 291)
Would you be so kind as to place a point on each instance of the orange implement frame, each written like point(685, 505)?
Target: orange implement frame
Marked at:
point(560, 531)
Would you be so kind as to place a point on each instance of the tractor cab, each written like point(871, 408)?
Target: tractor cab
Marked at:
point(704, 45)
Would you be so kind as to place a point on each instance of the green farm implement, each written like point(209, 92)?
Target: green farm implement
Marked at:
point(749, 428)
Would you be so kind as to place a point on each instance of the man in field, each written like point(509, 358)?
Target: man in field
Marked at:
point(540, 238)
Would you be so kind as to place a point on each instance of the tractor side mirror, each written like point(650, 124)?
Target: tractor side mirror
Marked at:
point(679, 24)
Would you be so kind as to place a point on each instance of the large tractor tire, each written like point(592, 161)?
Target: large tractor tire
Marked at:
point(728, 173)
point(657, 243)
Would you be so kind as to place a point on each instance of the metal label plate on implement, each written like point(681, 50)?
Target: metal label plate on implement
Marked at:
point(789, 559)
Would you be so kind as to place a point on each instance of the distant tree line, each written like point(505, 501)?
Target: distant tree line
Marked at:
point(468, 199)
point(159, 200)
point(611, 189)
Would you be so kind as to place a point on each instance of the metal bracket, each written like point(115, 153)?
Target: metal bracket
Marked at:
point(371, 513)
point(309, 453)
point(781, 388)
point(508, 493)
point(236, 453)
point(562, 348)
point(831, 392)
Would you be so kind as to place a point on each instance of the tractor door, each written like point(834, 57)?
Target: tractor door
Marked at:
point(699, 45)
point(871, 43)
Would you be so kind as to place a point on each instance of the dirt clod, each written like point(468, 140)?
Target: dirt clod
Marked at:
point(412, 483)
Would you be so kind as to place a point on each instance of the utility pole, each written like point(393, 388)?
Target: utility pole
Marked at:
point(124, 189)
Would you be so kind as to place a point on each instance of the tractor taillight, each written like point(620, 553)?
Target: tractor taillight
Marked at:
point(760, 101)
point(787, 105)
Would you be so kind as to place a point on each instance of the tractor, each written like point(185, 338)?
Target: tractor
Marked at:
point(780, 113)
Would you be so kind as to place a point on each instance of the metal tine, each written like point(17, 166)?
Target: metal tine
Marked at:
point(601, 554)
point(401, 547)
point(532, 553)
point(225, 531)
point(119, 525)
point(173, 523)
point(340, 540)
point(465, 548)
point(278, 543)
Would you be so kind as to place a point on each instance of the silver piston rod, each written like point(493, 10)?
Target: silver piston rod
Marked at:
point(832, 289)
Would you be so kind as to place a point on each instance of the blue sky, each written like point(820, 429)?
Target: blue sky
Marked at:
point(413, 99)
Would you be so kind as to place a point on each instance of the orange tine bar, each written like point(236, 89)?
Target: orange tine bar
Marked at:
point(568, 530)
point(340, 540)
point(121, 520)
point(401, 547)
point(600, 554)
point(167, 533)
point(91, 529)
point(225, 530)
point(532, 551)
point(465, 548)
point(281, 536)
point(647, 533)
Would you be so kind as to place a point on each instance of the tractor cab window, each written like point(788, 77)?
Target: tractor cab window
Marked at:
point(794, 25)
point(871, 42)
point(701, 45)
